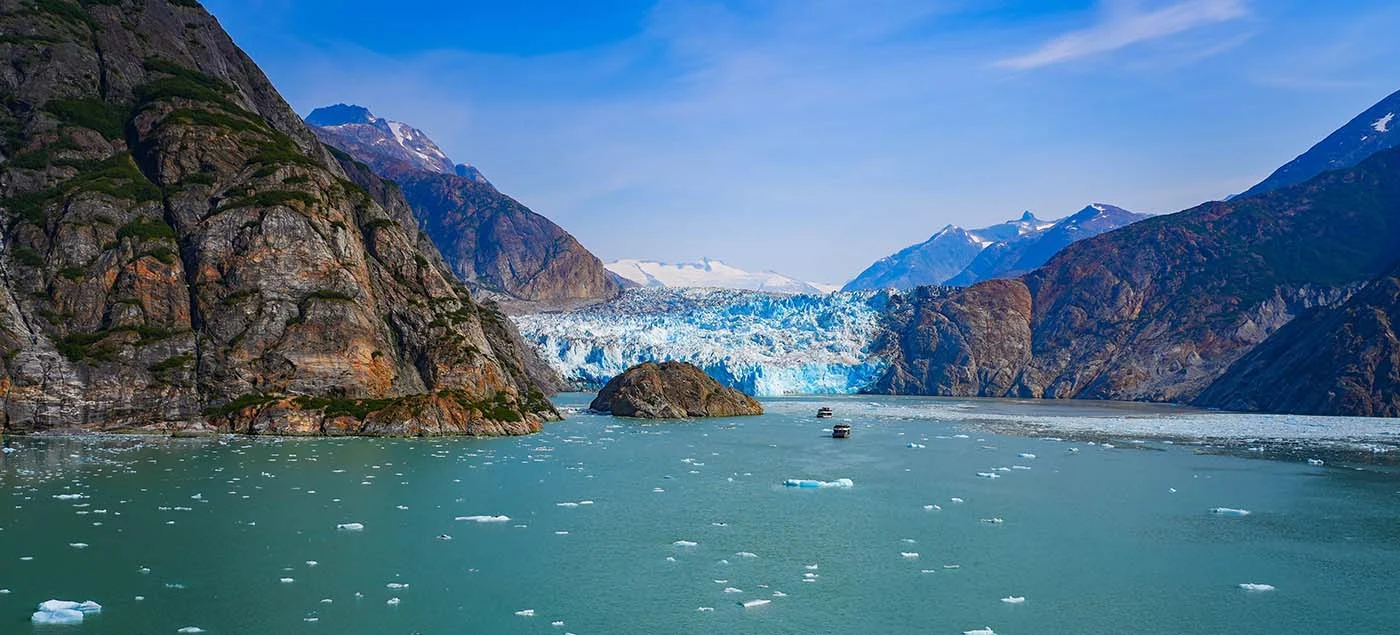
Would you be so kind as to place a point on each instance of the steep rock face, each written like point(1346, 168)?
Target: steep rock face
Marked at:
point(1011, 258)
point(180, 252)
point(1341, 360)
point(933, 261)
point(958, 343)
point(490, 240)
point(1159, 309)
point(671, 390)
point(1370, 132)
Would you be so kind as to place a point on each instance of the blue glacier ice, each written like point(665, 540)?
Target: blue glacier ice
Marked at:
point(761, 343)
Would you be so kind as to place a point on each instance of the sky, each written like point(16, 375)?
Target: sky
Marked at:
point(813, 137)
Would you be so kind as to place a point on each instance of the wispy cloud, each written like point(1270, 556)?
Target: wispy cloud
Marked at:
point(1124, 24)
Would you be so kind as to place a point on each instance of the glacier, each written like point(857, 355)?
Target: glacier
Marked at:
point(764, 344)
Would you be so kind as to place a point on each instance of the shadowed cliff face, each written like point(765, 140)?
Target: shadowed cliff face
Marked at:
point(1341, 360)
point(1158, 310)
point(180, 252)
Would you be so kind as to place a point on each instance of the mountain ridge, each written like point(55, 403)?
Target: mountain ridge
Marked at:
point(710, 273)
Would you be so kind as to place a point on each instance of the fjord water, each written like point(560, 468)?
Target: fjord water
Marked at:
point(1096, 541)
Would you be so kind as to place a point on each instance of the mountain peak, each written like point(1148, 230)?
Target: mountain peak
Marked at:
point(711, 273)
point(339, 115)
point(1366, 134)
point(1027, 216)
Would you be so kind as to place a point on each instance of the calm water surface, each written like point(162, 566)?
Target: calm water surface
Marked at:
point(222, 534)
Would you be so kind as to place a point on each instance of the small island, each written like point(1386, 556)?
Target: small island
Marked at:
point(671, 390)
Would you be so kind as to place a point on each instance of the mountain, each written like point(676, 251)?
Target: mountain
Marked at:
point(942, 256)
point(1341, 360)
point(1370, 132)
point(491, 241)
point(1024, 253)
point(1157, 310)
point(761, 343)
point(178, 252)
point(710, 273)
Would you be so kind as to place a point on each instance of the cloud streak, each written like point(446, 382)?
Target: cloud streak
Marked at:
point(1124, 25)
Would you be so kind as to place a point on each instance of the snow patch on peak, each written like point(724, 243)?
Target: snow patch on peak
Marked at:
point(1383, 124)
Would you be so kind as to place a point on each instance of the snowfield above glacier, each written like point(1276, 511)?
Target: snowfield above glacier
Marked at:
point(764, 344)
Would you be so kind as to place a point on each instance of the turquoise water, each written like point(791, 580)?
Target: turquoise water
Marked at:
point(1095, 541)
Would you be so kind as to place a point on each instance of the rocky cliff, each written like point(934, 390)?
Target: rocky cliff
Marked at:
point(180, 252)
point(490, 240)
point(1341, 360)
point(671, 390)
point(1159, 309)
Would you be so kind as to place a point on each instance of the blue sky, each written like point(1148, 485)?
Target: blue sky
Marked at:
point(812, 137)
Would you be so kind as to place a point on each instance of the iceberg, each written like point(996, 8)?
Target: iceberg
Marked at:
point(985, 630)
point(685, 543)
point(1015, 599)
point(485, 519)
point(807, 483)
point(63, 612)
point(1256, 588)
point(753, 603)
point(1228, 511)
point(761, 343)
point(350, 527)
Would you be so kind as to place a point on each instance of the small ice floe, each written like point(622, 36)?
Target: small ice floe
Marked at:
point(909, 554)
point(287, 580)
point(705, 609)
point(311, 563)
point(812, 567)
point(1171, 490)
point(955, 499)
point(140, 598)
point(1014, 599)
point(585, 502)
point(396, 585)
point(989, 475)
point(685, 543)
point(350, 527)
point(1107, 446)
point(4, 591)
point(444, 537)
point(526, 612)
point(1229, 511)
point(485, 519)
point(730, 589)
point(1254, 587)
point(63, 612)
point(1073, 450)
point(8, 450)
point(393, 601)
point(746, 554)
point(1315, 462)
point(566, 504)
point(190, 629)
point(985, 630)
point(1020, 467)
point(754, 603)
point(993, 521)
point(1026, 455)
point(78, 545)
point(658, 490)
point(557, 623)
point(144, 570)
point(808, 483)
point(401, 508)
point(915, 446)
point(779, 594)
point(69, 497)
point(561, 533)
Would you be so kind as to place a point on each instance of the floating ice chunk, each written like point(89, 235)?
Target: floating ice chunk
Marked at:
point(746, 554)
point(190, 629)
point(63, 612)
point(585, 502)
point(1315, 462)
point(812, 567)
point(730, 589)
point(779, 594)
point(915, 446)
point(955, 499)
point(444, 537)
point(402, 507)
point(287, 580)
point(566, 504)
point(8, 450)
point(4, 591)
point(985, 630)
point(350, 527)
point(69, 497)
point(760, 602)
point(526, 612)
point(1026, 455)
point(685, 543)
point(485, 519)
point(658, 490)
point(1228, 511)
point(989, 475)
point(311, 563)
point(1171, 490)
point(1020, 467)
point(396, 585)
point(705, 609)
point(909, 554)
point(1014, 599)
point(993, 521)
point(78, 545)
point(1254, 587)
point(557, 623)
point(807, 483)
point(393, 601)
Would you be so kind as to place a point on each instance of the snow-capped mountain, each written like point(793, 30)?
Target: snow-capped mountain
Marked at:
point(710, 273)
point(392, 142)
point(942, 256)
point(1026, 252)
point(761, 343)
point(1370, 132)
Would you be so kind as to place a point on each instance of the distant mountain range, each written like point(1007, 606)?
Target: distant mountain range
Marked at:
point(957, 256)
point(710, 273)
point(490, 240)
point(1368, 133)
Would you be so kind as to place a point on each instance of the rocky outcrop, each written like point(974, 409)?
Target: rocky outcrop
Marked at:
point(179, 252)
point(671, 390)
point(490, 240)
point(1341, 360)
point(1160, 309)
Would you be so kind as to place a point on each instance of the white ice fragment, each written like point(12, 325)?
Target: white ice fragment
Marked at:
point(985, 630)
point(350, 527)
point(989, 475)
point(485, 519)
point(311, 563)
point(1026, 455)
point(286, 580)
point(190, 629)
point(78, 545)
point(1256, 587)
point(1228, 511)
point(760, 602)
point(1314, 461)
point(63, 612)
point(993, 521)
point(807, 483)
point(393, 601)
point(730, 589)
point(526, 612)
point(746, 554)
point(396, 585)
point(685, 543)
point(1014, 599)
point(955, 499)
point(705, 609)
point(566, 504)
point(915, 446)
point(909, 554)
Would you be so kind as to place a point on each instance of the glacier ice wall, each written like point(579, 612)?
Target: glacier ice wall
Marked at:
point(761, 343)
